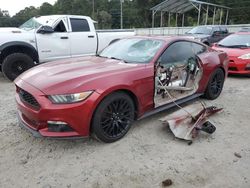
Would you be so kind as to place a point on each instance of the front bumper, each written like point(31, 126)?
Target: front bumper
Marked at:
point(238, 66)
point(77, 115)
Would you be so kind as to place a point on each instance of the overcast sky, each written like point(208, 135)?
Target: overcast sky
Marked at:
point(14, 6)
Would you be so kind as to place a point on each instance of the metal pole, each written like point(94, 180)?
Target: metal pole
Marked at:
point(161, 18)
point(221, 11)
point(199, 15)
point(207, 14)
point(153, 19)
point(176, 20)
point(121, 14)
point(169, 19)
point(183, 19)
point(214, 15)
point(227, 17)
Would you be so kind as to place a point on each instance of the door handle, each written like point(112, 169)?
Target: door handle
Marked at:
point(64, 37)
point(91, 36)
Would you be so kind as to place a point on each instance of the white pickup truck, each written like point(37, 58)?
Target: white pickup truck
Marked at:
point(47, 38)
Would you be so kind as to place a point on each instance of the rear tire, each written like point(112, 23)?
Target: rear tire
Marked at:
point(15, 64)
point(113, 117)
point(215, 84)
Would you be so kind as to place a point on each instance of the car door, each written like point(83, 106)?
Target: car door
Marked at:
point(83, 40)
point(177, 73)
point(54, 45)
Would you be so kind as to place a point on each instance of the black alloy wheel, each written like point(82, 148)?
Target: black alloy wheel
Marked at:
point(215, 84)
point(113, 117)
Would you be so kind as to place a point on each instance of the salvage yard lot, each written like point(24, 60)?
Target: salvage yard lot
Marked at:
point(145, 157)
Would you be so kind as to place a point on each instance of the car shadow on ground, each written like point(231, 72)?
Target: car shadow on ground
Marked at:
point(239, 76)
point(92, 142)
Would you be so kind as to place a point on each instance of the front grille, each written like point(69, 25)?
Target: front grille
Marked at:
point(247, 68)
point(233, 69)
point(29, 99)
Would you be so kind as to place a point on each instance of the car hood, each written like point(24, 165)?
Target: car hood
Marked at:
point(10, 30)
point(233, 52)
point(75, 72)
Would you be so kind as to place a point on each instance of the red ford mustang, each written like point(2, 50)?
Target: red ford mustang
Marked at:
point(237, 46)
point(130, 79)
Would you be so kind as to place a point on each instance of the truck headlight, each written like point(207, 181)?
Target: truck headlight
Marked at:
point(69, 98)
point(245, 56)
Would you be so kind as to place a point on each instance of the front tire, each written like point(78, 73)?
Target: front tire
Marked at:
point(215, 84)
point(15, 64)
point(113, 117)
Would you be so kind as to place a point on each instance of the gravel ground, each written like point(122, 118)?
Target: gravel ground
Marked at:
point(148, 154)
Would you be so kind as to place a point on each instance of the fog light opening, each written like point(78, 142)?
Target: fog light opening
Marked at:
point(59, 126)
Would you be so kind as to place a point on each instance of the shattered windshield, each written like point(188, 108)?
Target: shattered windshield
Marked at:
point(30, 25)
point(133, 50)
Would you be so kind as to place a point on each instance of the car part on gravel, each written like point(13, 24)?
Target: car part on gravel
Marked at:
point(187, 122)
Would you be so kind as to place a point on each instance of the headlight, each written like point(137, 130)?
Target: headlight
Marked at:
point(245, 56)
point(69, 98)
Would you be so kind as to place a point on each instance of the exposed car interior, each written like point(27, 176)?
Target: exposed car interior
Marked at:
point(178, 72)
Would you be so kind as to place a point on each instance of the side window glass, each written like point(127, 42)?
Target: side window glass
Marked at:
point(60, 27)
point(79, 25)
point(224, 30)
point(177, 53)
point(198, 49)
point(217, 30)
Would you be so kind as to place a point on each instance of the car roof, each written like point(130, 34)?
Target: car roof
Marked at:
point(167, 38)
point(211, 26)
point(242, 33)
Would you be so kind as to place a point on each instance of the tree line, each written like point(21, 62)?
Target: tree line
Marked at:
point(136, 13)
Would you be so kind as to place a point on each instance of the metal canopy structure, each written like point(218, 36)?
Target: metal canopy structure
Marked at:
point(180, 7)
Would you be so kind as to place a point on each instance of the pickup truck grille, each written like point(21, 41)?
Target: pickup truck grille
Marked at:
point(29, 99)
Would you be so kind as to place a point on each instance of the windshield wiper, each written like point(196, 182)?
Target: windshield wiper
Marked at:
point(118, 59)
point(234, 46)
point(98, 55)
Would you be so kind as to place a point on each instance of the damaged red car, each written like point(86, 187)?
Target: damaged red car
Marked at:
point(130, 79)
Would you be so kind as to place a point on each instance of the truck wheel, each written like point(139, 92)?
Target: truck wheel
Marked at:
point(113, 117)
point(215, 85)
point(15, 64)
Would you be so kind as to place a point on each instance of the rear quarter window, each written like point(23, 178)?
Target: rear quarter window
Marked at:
point(198, 48)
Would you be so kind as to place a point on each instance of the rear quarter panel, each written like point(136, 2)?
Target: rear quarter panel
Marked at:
point(212, 60)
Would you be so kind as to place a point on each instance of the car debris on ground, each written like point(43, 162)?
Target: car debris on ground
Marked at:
point(188, 121)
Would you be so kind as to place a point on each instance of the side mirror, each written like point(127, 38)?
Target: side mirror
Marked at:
point(45, 30)
point(215, 45)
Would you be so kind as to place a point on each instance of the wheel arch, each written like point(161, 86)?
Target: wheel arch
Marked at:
point(126, 91)
point(206, 42)
point(22, 47)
